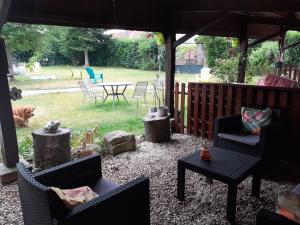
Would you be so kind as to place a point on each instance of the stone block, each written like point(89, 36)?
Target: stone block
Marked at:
point(119, 141)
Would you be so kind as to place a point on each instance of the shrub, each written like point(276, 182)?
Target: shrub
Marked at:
point(292, 55)
point(258, 60)
point(215, 47)
point(226, 70)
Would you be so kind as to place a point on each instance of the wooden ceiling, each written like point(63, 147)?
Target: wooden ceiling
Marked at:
point(263, 17)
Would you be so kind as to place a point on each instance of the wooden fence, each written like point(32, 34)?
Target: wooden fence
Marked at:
point(206, 101)
point(292, 72)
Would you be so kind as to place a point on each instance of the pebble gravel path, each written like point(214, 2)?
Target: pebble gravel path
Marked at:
point(204, 203)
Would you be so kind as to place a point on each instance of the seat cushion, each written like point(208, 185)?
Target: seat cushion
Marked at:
point(248, 139)
point(102, 186)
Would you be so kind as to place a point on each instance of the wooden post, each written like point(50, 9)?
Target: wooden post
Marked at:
point(243, 54)
point(282, 46)
point(8, 137)
point(170, 72)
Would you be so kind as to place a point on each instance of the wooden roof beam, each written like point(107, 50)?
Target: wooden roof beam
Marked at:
point(202, 29)
point(290, 46)
point(268, 37)
point(237, 5)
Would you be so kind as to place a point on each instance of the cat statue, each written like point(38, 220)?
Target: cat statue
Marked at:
point(52, 127)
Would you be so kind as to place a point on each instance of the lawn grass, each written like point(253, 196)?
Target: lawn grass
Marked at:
point(66, 107)
point(65, 80)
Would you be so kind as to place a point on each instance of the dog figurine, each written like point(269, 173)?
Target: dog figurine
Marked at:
point(22, 114)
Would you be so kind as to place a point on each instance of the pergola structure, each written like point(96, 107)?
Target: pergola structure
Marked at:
point(248, 19)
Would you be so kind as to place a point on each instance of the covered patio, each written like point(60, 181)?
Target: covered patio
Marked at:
point(251, 21)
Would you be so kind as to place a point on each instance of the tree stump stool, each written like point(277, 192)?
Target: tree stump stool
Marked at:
point(157, 129)
point(51, 149)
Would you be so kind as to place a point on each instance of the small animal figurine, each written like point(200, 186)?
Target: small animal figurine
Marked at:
point(204, 154)
point(52, 127)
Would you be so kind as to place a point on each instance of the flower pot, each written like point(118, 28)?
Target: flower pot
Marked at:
point(204, 154)
point(162, 111)
point(153, 109)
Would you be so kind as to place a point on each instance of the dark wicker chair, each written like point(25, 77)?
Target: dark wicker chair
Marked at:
point(228, 134)
point(267, 217)
point(127, 204)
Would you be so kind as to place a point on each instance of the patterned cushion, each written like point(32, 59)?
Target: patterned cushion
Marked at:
point(254, 119)
point(289, 206)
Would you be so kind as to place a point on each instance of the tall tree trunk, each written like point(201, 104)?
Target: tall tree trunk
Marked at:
point(86, 57)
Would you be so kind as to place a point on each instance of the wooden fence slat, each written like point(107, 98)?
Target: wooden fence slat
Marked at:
point(271, 98)
point(238, 101)
point(189, 108)
point(259, 97)
point(176, 107)
point(229, 101)
point(182, 108)
point(203, 110)
point(196, 111)
point(249, 96)
point(211, 111)
point(283, 99)
point(220, 100)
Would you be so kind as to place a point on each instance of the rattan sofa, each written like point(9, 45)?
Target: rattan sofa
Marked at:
point(126, 204)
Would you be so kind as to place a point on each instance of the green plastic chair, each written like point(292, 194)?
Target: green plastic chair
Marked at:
point(94, 77)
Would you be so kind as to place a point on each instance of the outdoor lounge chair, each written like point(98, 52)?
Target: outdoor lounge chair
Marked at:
point(228, 134)
point(94, 77)
point(126, 204)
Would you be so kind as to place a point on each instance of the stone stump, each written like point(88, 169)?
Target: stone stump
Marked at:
point(119, 141)
point(51, 149)
point(157, 129)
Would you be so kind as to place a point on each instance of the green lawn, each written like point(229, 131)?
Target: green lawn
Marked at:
point(66, 107)
point(64, 79)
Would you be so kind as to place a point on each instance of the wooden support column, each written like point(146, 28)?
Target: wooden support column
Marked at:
point(8, 137)
point(170, 71)
point(282, 46)
point(243, 54)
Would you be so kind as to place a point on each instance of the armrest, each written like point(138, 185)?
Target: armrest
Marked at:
point(226, 124)
point(266, 217)
point(128, 204)
point(272, 138)
point(72, 174)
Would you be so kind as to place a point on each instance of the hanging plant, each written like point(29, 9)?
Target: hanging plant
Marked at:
point(235, 42)
point(159, 38)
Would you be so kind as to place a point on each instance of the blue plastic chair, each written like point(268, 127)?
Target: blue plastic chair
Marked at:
point(94, 77)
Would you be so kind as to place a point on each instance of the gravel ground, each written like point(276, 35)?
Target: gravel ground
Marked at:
point(204, 204)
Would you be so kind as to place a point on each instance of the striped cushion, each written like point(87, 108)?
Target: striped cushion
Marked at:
point(254, 119)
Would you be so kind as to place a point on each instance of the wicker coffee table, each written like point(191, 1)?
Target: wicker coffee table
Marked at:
point(226, 166)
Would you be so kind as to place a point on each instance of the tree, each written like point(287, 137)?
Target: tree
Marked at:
point(215, 47)
point(292, 55)
point(21, 38)
point(81, 40)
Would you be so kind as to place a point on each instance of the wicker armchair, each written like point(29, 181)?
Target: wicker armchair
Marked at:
point(266, 217)
point(127, 204)
point(228, 134)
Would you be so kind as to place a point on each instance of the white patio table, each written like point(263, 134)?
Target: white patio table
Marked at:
point(114, 89)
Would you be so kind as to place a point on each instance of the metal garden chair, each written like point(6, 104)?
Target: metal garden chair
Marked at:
point(140, 91)
point(158, 92)
point(90, 93)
